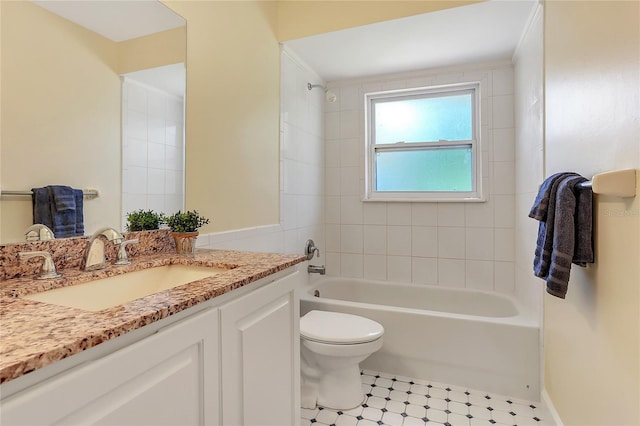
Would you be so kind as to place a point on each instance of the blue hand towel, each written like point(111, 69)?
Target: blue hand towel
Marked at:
point(42, 207)
point(63, 197)
point(78, 194)
point(63, 221)
point(565, 231)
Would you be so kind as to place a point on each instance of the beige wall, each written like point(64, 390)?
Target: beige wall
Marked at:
point(60, 114)
point(591, 339)
point(155, 50)
point(233, 109)
point(298, 19)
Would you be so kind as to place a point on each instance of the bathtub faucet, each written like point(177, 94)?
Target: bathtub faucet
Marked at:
point(313, 269)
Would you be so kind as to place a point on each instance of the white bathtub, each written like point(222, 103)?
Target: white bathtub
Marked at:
point(461, 337)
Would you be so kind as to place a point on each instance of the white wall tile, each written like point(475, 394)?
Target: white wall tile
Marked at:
point(504, 244)
point(137, 125)
point(503, 81)
point(504, 213)
point(375, 239)
point(479, 274)
point(331, 181)
point(502, 111)
point(398, 214)
point(136, 152)
point(451, 242)
point(332, 208)
point(351, 238)
point(399, 269)
point(332, 153)
point(446, 243)
point(424, 214)
point(504, 145)
point(424, 270)
point(450, 214)
point(332, 237)
point(156, 156)
point(351, 210)
point(399, 240)
point(332, 125)
point(136, 97)
point(375, 267)
point(350, 181)
point(349, 124)
point(156, 181)
point(451, 272)
point(424, 241)
point(350, 152)
point(332, 264)
point(479, 243)
point(479, 214)
point(504, 277)
point(351, 265)
point(504, 178)
point(375, 213)
point(350, 98)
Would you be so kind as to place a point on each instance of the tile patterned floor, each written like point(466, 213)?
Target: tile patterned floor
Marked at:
point(402, 401)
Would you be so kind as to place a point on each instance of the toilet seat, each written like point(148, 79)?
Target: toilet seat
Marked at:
point(337, 328)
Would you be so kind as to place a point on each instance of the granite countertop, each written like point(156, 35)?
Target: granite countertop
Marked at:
point(34, 335)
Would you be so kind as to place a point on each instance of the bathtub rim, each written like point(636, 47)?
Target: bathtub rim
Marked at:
point(522, 318)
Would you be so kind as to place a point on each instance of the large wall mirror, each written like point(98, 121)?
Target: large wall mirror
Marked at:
point(93, 98)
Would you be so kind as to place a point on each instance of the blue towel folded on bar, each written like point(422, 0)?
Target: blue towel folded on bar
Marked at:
point(60, 208)
point(565, 233)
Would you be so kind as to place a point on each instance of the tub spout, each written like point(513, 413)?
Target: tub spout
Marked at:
point(313, 269)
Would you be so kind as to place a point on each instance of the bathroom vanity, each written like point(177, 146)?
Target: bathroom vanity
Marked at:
point(222, 350)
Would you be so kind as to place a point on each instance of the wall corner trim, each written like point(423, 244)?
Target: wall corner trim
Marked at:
point(546, 399)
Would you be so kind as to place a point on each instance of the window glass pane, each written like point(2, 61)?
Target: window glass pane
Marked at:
point(439, 169)
point(424, 120)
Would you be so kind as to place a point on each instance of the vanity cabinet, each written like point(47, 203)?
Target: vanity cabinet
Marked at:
point(260, 356)
point(233, 362)
point(169, 378)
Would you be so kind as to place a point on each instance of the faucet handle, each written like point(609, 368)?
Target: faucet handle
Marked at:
point(48, 267)
point(310, 249)
point(123, 259)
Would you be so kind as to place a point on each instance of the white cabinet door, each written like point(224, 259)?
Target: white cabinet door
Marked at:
point(261, 356)
point(169, 378)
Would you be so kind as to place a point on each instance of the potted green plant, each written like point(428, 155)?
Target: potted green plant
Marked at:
point(144, 220)
point(184, 228)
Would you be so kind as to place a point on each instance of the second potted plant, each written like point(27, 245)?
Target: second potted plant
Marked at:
point(184, 227)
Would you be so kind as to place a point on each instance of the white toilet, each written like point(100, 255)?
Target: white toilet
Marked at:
point(332, 345)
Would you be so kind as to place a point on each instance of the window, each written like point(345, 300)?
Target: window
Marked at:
point(423, 144)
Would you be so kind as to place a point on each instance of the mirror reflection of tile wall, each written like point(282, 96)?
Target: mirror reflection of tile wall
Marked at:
point(153, 150)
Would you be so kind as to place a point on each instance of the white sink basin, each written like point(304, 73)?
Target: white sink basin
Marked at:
point(113, 291)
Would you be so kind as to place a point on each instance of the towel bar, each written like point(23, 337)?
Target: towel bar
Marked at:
point(89, 193)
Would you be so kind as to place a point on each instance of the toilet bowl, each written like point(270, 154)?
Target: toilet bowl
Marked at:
point(332, 345)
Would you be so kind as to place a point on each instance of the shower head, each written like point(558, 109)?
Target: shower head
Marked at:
point(329, 95)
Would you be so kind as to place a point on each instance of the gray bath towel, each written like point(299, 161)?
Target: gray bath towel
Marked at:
point(565, 234)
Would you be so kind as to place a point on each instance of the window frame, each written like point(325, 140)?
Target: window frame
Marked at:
point(475, 195)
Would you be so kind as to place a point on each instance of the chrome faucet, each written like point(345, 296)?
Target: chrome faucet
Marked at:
point(313, 269)
point(39, 232)
point(48, 267)
point(95, 258)
point(310, 250)
point(122, 252)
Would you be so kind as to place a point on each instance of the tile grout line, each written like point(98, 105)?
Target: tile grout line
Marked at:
point(402, 401)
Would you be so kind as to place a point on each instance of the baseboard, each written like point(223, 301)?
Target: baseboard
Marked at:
point(552, 409)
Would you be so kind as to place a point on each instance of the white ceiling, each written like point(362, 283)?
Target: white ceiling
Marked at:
point(479, 32)
point(114, 19)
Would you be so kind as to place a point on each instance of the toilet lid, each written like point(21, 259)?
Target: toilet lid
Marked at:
point(339, 328)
